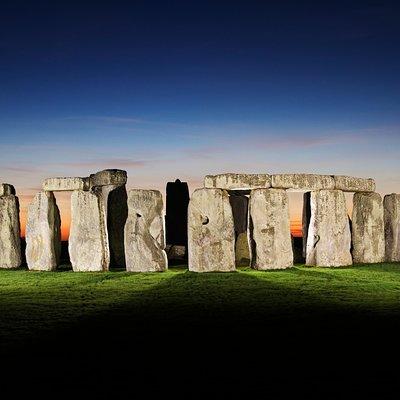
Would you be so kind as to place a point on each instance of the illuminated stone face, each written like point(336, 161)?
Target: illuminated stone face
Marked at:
point(211, 233)
point(368, 233)
point(10, 242)
point(43, 233)
point(88, 240)
point(144, 232)
point(271, 244)
point(391, 205)
point(329, 237)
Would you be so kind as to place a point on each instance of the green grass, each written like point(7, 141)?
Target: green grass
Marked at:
point(35, 303)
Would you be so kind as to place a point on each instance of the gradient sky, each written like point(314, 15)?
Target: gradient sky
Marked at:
point(183, 89)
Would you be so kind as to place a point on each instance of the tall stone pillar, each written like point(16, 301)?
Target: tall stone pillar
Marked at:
point(368, 234)
point(329, 237)
point(111, 184)
point(43, 233)
point(391, 205)
point(10, 240)
point(240, 208)
point(88, 240)
point(271, 243)
point(144, 232)
point(211, 233)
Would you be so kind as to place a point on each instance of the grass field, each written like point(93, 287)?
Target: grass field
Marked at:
point(298, 322)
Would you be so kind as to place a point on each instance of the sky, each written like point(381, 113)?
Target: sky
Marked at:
point(181, 89)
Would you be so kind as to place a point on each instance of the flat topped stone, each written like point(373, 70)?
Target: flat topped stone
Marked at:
point(352, 184)
point(6, 189)
point(115, 177)
point(65, 184)
point(230, 181)
point(302, 181)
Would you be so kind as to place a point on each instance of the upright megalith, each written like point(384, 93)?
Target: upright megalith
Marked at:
point(271, 243)
point(144, 232)
point(240, 206)
point(88, 240)
point(6, 189)
point(10, 241)
point(211, 232)
point(391, 205)
point(329, 237)
point(368, 234)
point(111, 184)
point(43, 233)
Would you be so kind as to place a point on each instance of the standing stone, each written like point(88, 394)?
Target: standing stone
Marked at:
point(176, 213)
point(211, 232)
point(271, 243)
point(10, 241)
point(43, 233)
point(368, 234)
point(240, 205)
point(329, 237)
point(144, 232)
point(88, 240)
point(391, 204)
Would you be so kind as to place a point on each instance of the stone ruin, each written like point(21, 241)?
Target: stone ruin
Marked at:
point(235, 219)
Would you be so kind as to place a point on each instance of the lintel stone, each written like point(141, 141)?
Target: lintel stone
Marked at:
point(65, 184)
point(115, 177)
point(303, 181)
point(353, 184)
point(231, 181)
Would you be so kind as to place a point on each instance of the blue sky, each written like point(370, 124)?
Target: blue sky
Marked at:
point(182, 89)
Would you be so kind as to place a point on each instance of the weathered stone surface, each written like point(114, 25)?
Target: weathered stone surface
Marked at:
point(240, 206)
point(65, 184)
point(175, 252)
point(391, 205)
point(144, 232)
point(10, 241)
point(232, 181)
point(115, 177)
point(43, 233)
point(176, 213)
point(271, 243)
point(329, 237)
point(368, 233)
point(352, 184)
point(302, 181)
point(6, 189)
point(88, 240)
point(211, 233)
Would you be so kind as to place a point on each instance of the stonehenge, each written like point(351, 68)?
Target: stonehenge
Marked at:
point(144, 232)
point(234, 220)
point(43, 233)
point(10, 242)
point(211, 231)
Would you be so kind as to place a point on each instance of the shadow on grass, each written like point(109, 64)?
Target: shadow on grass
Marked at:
point(270, 326)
